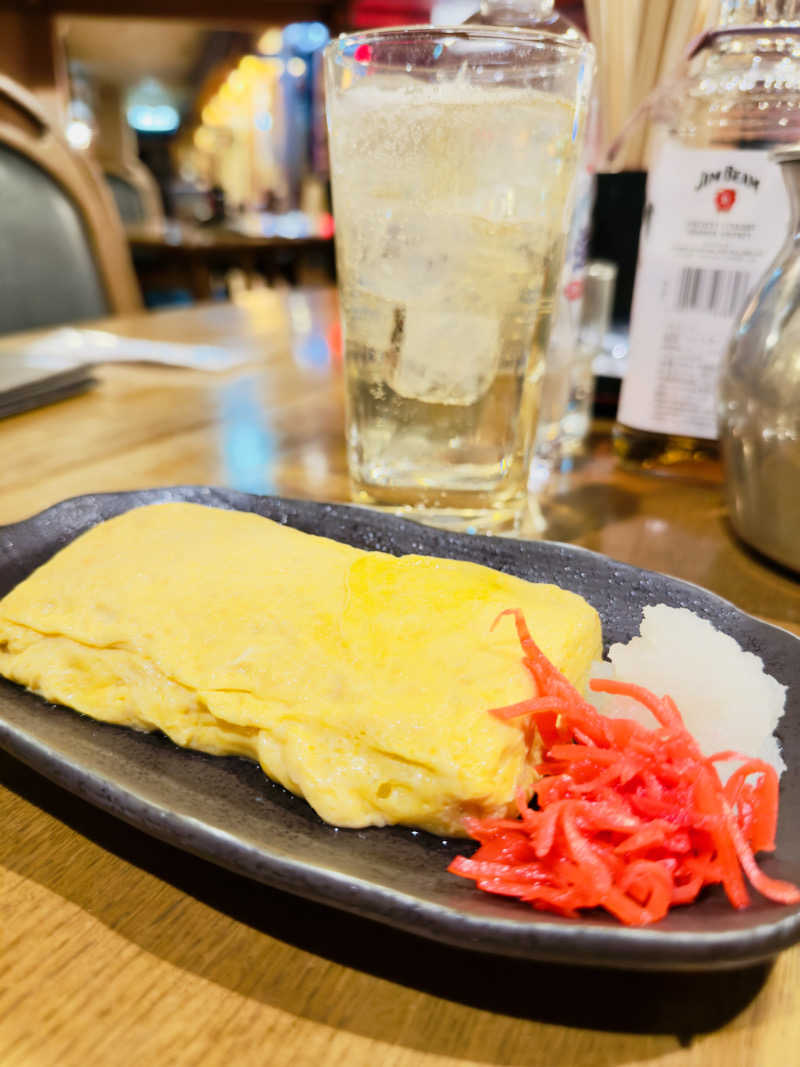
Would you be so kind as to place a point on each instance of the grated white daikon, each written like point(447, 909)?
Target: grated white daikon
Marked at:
point(726, 698)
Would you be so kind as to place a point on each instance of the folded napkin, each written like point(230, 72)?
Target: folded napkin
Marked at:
point(100, 346)
point(30, 381)
point(61, 363)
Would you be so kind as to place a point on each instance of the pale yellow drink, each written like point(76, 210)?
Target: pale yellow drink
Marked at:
point(452, 202)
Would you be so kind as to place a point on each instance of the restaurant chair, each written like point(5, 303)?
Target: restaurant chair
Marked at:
point(127, 198)
point(63, 252)
point(135, 194)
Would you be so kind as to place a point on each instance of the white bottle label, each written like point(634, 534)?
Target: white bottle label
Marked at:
point(714, 221)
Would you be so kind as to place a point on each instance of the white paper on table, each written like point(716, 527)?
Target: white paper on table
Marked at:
point(100, 346)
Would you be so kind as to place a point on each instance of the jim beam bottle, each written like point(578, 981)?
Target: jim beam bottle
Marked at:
point(716, 215)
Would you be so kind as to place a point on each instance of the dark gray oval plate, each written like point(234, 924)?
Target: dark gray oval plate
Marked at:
point(225, 810)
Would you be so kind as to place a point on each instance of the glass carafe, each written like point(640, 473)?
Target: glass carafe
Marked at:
point(759, 400)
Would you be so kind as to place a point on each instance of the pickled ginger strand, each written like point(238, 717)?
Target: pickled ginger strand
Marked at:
point(629, 819)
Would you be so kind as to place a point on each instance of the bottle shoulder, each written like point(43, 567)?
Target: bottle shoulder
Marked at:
point(726, 96)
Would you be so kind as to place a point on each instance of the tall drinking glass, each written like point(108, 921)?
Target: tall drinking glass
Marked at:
point(453, 153)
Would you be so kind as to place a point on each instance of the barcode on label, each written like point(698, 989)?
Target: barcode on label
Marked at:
point(720, 292)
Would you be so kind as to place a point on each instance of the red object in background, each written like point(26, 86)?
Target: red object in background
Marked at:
point(334, 339)
point(325, 226)
point(573, 10)
point(574, 290)
point(372, 14)
point(725, 199)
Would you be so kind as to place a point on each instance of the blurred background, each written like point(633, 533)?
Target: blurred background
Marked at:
point(206, 122)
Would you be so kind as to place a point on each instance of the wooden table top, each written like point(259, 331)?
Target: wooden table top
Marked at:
point(119, 950)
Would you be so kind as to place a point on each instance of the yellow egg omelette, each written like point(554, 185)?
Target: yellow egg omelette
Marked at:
point(357, 680)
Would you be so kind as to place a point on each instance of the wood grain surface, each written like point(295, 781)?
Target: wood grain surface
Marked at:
point(116, 949)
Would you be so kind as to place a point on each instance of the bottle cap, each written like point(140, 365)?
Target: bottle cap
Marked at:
point(599, 283)
point(786, 153)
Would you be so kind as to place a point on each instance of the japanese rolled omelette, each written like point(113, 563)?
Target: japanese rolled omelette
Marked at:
point(358, 680)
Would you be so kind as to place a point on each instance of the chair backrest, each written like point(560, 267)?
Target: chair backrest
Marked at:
point(134, 189)
point(63, 253)
point(127, 198)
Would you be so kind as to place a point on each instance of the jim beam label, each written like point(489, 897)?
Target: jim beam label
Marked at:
point(714, 220)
